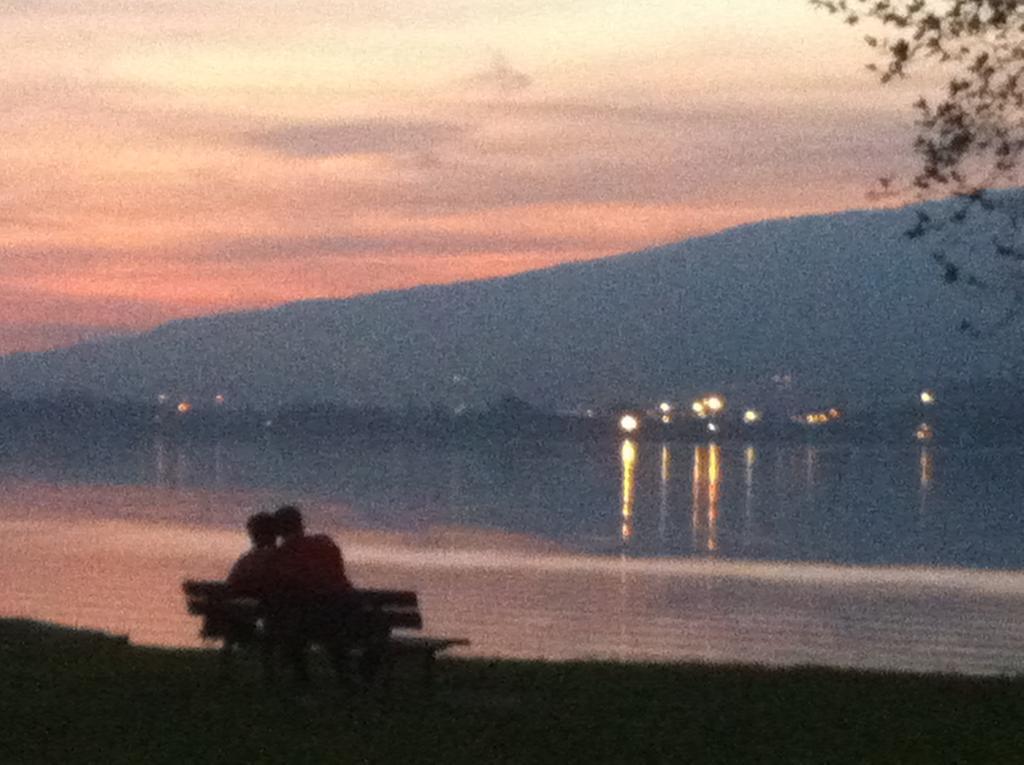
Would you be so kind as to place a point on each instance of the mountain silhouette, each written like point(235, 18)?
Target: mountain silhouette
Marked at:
point(837, 307)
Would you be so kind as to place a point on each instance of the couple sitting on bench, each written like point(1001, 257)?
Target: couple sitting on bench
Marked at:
point(305, 597)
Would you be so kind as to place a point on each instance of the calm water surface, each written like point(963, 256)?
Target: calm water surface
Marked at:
point(887, 557)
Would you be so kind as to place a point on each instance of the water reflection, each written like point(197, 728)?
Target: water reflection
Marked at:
point(666, 475)
point(182, 469)
point(160, 461)
point(389, 511)
point(124, 576)
point(763, 501)
point(705, 487)
point(749, 458)
point(456, 478)
point(770, 497)
point(810, 467)
point(713, 476)
point(924, 476)
point(926, 468)
point(695, 489)
point(628, 487)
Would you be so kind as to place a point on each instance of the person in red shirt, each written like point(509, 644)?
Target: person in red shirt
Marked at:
point(314, 601)
point(307, 565)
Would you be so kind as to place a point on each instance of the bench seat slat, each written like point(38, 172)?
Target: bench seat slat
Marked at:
point(417, 643)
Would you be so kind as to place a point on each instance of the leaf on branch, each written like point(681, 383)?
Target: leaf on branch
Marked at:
point(920, 228)
point(970, 136)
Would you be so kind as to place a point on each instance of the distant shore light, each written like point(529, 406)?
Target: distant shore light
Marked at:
point(629, 423)
point(714, 403)
point(927, 397)
point(751, 416)
point(665, 407)
point(184, 407)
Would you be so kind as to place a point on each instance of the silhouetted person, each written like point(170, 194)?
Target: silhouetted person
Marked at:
point(254, 576)
point(254, 573)
point(314, 601)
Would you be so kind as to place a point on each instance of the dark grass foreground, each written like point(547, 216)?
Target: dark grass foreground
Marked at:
point(74, 697)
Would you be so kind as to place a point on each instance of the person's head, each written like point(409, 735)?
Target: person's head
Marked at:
point(262, 528)
point(289, 521)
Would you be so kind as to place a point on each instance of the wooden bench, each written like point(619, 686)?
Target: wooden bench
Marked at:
point(238, 622)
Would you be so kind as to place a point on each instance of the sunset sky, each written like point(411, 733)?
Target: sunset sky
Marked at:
point(165, 159)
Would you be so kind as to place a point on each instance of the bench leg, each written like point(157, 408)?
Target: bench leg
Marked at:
point(388, 670)
point(268, 660)
point(429, 662)
point(226, 658)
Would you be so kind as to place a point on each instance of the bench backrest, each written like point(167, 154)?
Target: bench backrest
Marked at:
point(399, 608)
point(224, 616)
point(199, 595)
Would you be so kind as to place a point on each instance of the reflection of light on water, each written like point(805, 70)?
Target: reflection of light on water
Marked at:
point(695, 485)
point(181, 468)
point(749, 458)
point(706, 474)
point(628, 487)
point(926, 468)
point(713, 454)
point(160, 460)
point(810, 462)
point(666, 465)
point(925, 475)
point(628, 495)
point(124, 576)
point(174, 541)
point(922, 579)
point(623, 605)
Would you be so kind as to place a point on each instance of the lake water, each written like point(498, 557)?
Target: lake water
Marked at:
point(882, 557)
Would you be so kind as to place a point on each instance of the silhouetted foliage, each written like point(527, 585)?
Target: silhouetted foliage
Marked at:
point(971, 137)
